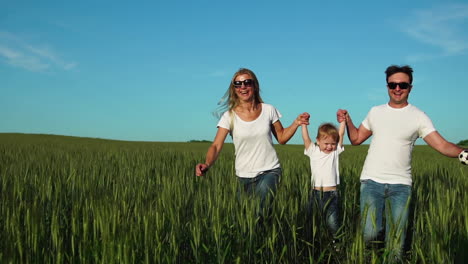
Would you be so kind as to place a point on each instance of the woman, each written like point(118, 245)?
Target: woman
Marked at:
point(251, 124)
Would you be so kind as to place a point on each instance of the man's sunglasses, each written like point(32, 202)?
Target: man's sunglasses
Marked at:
point(246, 82)
point(403, 85)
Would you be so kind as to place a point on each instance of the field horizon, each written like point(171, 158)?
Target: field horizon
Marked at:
point(66, 199)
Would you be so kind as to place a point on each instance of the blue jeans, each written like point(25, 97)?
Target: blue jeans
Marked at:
point(328, 204)
point(394, 200)
point(263, 186)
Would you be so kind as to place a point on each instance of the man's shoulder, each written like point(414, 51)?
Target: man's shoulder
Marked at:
point(415, 109)
point(379, 107)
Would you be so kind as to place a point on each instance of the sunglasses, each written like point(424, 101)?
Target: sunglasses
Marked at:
point(246, 82)
point(403, 85)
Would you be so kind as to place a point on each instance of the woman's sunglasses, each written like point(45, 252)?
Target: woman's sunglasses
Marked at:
point(246, 82)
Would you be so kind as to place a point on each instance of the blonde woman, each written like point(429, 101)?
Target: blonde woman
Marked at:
point(251, 123)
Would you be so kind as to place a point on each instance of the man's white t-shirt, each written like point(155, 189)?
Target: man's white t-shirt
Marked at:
point(324, 167)
point(253, 141)
point(394, 132)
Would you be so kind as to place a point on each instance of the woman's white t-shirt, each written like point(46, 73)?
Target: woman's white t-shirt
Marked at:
point(253, 141)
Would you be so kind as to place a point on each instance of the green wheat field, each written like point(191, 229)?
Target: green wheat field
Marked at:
point(82, 200)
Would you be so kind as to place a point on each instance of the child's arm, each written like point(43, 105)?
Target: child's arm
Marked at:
point(341, 131)
point(305, 136)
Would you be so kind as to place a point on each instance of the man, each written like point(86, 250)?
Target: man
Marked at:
point(386, 176)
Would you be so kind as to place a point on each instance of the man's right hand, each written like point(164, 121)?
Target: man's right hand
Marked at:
point(341, 115)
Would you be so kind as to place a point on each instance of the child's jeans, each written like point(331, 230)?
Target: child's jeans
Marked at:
point(328, 204)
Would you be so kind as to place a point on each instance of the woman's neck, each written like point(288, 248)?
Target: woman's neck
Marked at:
point(247, 106)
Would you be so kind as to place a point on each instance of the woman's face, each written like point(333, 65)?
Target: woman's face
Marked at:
point(244, 87)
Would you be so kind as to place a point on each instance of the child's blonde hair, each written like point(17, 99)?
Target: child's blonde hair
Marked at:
point(328, 130)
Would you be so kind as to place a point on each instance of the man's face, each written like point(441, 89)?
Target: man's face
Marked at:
point(398, 96)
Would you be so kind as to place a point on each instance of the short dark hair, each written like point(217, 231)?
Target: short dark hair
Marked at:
point(396, 69)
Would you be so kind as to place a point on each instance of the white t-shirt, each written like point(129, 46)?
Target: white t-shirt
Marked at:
point(394, 132)
point(253, 141)
point(324, 167)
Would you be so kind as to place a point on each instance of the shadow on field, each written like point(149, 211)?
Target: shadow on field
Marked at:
point(409, 230)
point(462, 254)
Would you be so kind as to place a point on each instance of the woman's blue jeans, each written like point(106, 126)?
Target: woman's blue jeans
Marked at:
point(393, 199)
point(262, 186)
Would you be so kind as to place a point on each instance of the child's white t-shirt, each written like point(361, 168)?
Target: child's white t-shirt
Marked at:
point(324, 167)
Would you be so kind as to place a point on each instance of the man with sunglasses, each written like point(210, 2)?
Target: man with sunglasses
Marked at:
point(386, 176)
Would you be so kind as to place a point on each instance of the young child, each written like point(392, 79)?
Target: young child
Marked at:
point(324, 166)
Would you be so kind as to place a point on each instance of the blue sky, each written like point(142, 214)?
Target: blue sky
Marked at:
point(155, 70)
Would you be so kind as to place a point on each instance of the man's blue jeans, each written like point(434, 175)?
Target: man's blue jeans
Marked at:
point(394, 200)
point(263, 186)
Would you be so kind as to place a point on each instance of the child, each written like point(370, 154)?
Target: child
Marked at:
point(325, 170)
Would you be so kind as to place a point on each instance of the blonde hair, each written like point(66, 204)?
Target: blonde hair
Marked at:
point(230, 100)
point(328, 130)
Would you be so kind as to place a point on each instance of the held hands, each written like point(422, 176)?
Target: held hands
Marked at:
point(342, 115)
point(302, 119)
point(201, 169)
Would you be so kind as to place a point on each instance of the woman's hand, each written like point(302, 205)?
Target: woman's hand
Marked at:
point(201, 168)
point(302, 119)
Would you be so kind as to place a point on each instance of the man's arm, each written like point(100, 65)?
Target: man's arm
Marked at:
point(437, 142)
point(356, 135)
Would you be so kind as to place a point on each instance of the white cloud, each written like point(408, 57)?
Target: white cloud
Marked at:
point(8, 53)
point(32, 57)
point(443, 27)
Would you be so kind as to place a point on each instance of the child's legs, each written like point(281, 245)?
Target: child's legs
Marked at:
point(331, 209)
point(327, 203)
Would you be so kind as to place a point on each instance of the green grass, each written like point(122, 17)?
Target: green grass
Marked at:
point(82, 200)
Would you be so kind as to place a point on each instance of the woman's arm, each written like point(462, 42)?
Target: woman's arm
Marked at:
point(283, 135)
point(213, 152)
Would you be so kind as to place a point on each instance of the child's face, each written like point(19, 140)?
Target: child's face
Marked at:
point(326, 144)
